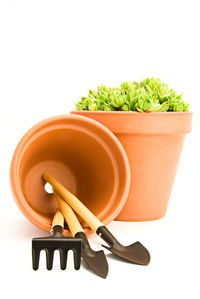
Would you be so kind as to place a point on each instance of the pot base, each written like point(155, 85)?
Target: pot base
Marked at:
point(41, 201)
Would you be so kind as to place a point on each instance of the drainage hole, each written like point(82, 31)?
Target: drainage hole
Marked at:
point(48, 188)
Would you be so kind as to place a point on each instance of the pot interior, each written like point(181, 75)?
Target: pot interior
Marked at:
point(82, 163)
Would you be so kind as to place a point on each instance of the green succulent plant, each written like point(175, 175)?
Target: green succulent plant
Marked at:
point(149, 95)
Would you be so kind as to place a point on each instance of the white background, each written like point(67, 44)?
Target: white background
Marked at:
point(51, 53)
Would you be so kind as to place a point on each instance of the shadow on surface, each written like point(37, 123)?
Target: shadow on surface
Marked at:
point(22, 230)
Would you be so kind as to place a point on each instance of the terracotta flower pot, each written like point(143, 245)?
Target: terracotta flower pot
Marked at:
point(153, 143)
point(83, 155)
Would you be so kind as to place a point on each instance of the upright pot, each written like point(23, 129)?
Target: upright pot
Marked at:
point(153, 143)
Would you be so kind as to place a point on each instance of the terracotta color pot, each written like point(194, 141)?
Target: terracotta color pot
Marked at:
point(83, 155)
point(153, 143)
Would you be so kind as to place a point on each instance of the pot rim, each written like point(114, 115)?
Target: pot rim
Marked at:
point(32, 134)
point(142, 123)
point(134, 112)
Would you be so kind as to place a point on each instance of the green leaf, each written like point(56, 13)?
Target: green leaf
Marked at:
point(125, 107)
point(155, 107)
point(118, 100)
point(149, 95)
point(109, 108)
point(164, 107)
point(92, 107)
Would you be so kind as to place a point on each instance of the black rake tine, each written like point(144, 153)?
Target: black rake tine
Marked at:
point(63, 259)
point(35, 258)
point(77, 260)
point(49, 258)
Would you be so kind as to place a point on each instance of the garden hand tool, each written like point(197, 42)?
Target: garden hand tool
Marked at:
point(56, 242)
point(135, 252)
point(95, 259)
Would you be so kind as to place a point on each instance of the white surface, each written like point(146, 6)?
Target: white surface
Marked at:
point(51, 53)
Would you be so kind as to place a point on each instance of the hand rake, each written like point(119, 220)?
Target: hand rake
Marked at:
point(56, 242)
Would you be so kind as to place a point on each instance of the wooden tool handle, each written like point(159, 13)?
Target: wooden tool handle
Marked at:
point(58, 219)
point(74, 202)
point(69, 215)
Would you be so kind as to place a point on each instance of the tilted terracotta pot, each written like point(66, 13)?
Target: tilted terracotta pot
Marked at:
point(153, 143)
point(79, 152)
